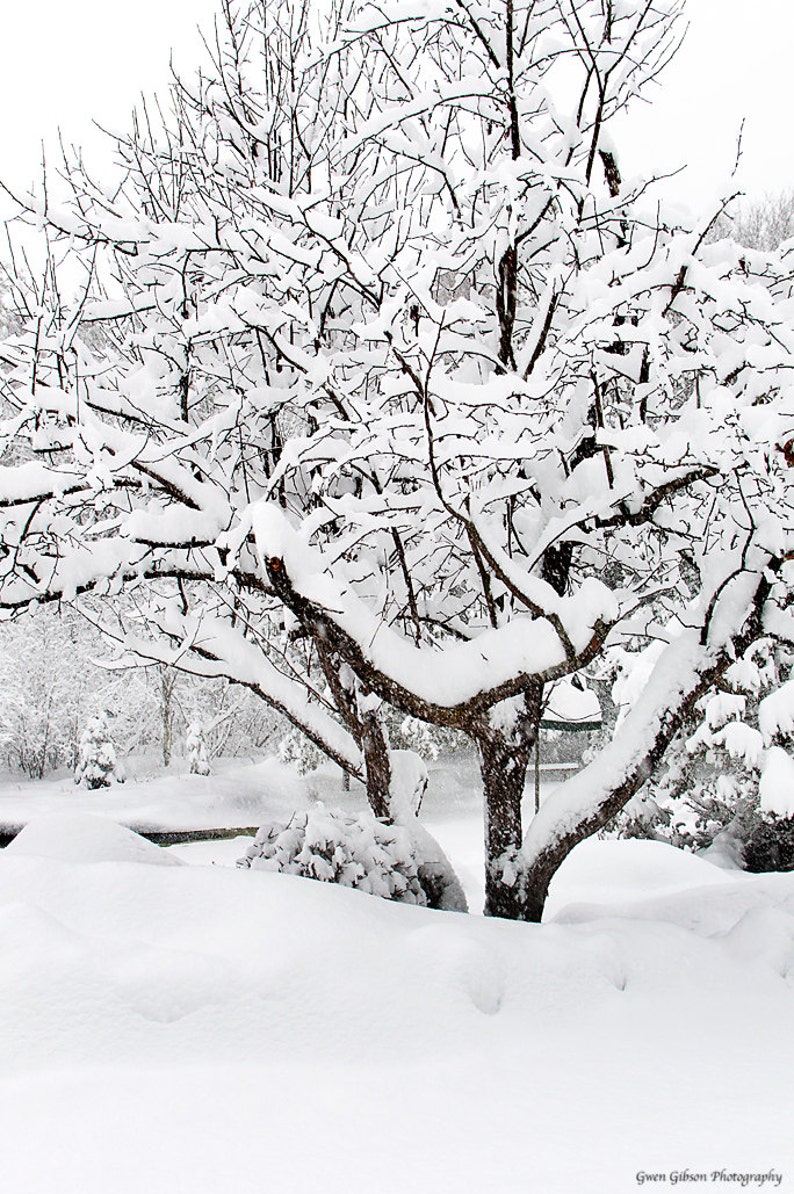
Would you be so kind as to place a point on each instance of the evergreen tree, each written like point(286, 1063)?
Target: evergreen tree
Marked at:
point(97, 765)
point(197, 750)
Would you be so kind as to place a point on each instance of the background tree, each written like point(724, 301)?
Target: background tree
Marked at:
point(48, 687)
point(56, 668)
point(97, 763)
point(759, 224)
point(198, 759)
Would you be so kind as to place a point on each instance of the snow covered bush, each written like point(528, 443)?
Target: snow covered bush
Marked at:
point(337, 847)
point(726, 784)
point(97, 765)
point(295, 748)
point(196, 747)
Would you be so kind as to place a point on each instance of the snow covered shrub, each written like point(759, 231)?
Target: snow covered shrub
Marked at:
point(727, 782)
point(97, 765)
point(297, 749)
point(338, 847)
point(198, 761)
point(428, 740)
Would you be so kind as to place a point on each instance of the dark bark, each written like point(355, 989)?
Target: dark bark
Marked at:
point(556, 566)
point(506, 301)
point(611, 172)
point(377, 767)
point(505, 755)
point(367, 730)
point(503, 777)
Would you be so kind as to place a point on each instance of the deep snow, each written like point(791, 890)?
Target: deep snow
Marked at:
point(236, 794)
point(202, 1029)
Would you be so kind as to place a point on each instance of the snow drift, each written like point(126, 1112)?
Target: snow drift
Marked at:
point(198, 1028)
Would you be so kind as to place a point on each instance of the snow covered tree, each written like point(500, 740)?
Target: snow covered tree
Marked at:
point(726, 784)
point(295, 748)
point(761, 224)
point(97, 765)
point(397, 391)
point(196, 746)
point(47, 685)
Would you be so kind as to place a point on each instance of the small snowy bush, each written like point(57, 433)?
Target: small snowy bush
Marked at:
point(337, 847)
point(297, 749)
point(427, 740)
point(198, 761)
point(97, 765)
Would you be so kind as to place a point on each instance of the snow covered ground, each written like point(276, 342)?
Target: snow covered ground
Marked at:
point(170, 1025)
point(237, 794)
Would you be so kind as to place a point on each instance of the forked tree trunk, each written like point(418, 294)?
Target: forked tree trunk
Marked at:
point(366, 728)
point(638, 748)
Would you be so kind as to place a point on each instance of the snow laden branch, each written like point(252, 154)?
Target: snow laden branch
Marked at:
point(449, 685)
point(208, 646)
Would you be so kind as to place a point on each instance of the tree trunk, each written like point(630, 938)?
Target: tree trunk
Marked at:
point(377, 766)
point(167, 684)
point(503, 763)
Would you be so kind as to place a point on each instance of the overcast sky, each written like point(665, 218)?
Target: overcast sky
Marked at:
point(63, 62)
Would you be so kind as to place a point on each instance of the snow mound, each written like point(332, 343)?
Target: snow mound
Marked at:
point(765, 936)
point(195, 1010)
point(604, 871)
point(81, 837)
point(238, 794)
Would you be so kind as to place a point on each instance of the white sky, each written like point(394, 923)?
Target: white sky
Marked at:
point(735, 64)
point(63, 62)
